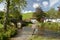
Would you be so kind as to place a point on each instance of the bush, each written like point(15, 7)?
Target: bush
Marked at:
point(11, 31)
point(1, 21)
point(3, 36)
point(1, 26)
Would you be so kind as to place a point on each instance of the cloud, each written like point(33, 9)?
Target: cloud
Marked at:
point(52, 2)
point(45, 3)
point(26, 11)
point(38, 0)
point(35, 5)
point(2, 6)
point(56, 8)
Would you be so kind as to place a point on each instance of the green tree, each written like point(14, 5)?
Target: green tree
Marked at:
point(52, 13)
point(58, 13)
point(1, 14)
point(1, 17)
point(16, 3)
point(39, 15)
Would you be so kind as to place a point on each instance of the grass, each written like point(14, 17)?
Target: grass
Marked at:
point(27, 16)
point(52, 26)
point(49, 26)
point(42, 38)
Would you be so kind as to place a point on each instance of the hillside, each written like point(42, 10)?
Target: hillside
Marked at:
point(27, 15)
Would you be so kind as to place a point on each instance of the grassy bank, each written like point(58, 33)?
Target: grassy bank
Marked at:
point(42, 38)
point(51, 26)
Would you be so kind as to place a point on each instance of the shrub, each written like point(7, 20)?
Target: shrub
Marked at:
point(1, 26)
point(11, 31)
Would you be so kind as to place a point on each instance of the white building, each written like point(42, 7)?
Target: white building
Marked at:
point(33, 20)
point(52, 20)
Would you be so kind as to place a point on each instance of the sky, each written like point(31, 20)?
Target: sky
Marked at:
point(33, 4)
point(1, 6)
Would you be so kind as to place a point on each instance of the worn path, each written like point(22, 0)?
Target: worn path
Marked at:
point(23, 34)
point(26, 33)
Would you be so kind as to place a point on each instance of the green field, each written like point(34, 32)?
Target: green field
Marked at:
point(27, 16)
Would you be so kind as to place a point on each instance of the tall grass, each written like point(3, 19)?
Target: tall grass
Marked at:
point(51, 26)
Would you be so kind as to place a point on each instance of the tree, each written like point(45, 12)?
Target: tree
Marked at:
point(6, 15)
point(39, 14)
point(15, 10)
point(17, 3)
point(58, 14)
point(1, 17)
point(52, 13)
point(1, 14)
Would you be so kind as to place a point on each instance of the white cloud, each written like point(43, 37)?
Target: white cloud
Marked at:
point(2, 6)
point(56, 8)
point(26, 11)
point(52, 2)
point(35, 5)
point(38, 0)
point(1, 9)
point(45, 3)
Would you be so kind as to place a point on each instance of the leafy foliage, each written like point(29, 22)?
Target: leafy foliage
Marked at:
point(39, 14)
point(1, 17)
point(13, 6)
point(52, 13)
point(1, 26)
point(0, 1)
point(58, 14)
point(11, 31)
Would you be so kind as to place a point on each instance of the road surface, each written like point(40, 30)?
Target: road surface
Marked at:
point(26, 33)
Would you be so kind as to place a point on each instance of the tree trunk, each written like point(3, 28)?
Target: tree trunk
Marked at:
point(6, 15)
